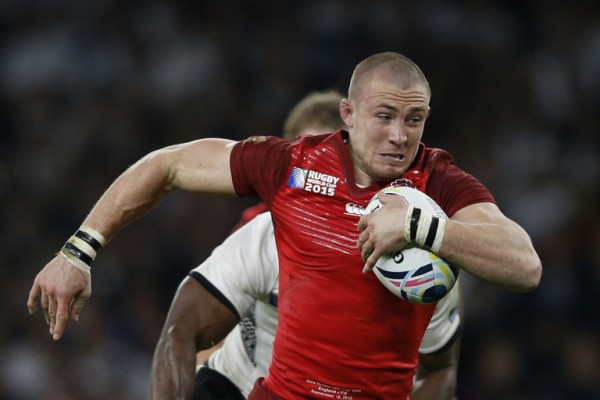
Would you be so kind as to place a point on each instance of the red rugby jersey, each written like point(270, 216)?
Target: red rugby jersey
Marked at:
point(341, 333)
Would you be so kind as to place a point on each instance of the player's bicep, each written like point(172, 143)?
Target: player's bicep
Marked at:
point(487, 213)
point(479, 213)
point(202, 166)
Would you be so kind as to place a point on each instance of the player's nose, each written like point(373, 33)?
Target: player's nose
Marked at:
point(398, 134)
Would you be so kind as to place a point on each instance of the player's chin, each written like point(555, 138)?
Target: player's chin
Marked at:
point(389, 172)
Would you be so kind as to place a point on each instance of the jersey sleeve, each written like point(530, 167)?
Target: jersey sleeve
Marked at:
point(258, 166)
point(244, 267)
point(444, 326)
point(452, 188)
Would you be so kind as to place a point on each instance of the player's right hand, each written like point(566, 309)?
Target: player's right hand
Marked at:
point(380, 232)
point(62, 290)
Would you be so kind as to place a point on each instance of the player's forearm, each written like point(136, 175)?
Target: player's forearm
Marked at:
point(173, 367)
point(200, 166)
point(499, 253)
point(139, 189)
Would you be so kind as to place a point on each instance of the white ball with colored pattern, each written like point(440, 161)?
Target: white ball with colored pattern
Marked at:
point(414, 274)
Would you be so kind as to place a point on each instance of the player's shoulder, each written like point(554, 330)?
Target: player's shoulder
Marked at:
point(434, 156)
point(263, 219)
point(315, 140)
point(261, 225)
point(258, 143)
point(249, 214)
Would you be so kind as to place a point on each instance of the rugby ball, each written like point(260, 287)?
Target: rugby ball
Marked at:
point(414, 274)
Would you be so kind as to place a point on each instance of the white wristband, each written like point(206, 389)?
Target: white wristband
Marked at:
point(439, 235)
point(424, 229)
point(94, 233)
point(409, 212)
point(81, 248)
point(76, 262)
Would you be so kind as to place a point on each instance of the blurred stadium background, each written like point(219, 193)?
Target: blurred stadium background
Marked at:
point(86, 88)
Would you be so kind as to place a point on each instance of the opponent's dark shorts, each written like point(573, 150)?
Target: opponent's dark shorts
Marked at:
point(212, 385)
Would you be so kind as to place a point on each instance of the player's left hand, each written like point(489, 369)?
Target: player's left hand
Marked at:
point(61, 289)
point(382, 231)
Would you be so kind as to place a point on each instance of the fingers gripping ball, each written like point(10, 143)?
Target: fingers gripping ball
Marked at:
point(416, 274)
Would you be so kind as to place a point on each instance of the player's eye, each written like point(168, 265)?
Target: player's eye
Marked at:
point(415, 120)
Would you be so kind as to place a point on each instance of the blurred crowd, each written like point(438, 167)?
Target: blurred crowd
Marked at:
point(87, 88)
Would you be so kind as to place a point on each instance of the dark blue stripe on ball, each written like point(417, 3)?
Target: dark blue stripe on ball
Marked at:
point(434, 294)
point(391, 274)
point(423, 270)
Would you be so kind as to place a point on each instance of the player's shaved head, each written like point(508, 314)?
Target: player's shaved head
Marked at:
point(387, 66)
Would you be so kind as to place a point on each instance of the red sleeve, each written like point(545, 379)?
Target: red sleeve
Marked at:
point(259, 165)
point(451, 187)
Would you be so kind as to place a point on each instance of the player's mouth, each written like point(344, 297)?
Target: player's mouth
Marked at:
point(394, 156)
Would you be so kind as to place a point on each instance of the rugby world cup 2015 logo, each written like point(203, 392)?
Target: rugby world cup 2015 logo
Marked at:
point(313, 181)
point(297, 178)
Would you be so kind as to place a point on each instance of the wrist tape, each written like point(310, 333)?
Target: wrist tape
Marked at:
point(424, 229)
point(81, 248)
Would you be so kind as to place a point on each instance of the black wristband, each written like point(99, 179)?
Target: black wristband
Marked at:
point(78, 253)
point(89, 239)
point(432, 232)
point(414, 223)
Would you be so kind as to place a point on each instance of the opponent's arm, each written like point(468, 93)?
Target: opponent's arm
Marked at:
point(437, 371)
point(196, 321)
point(202, 165)
point(436, 375)
point(204, 355)
point(478, 238)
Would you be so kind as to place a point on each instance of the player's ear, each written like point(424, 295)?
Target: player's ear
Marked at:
point(347, 112)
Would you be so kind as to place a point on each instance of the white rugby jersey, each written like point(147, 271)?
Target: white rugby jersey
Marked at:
point(244, 268)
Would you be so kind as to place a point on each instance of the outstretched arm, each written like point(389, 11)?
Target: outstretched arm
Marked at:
point(202, 166)
point(199, 166)
point(478, 238)
point(196, 321)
